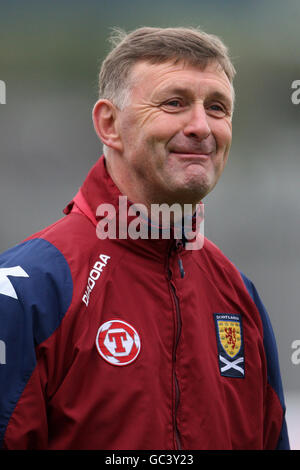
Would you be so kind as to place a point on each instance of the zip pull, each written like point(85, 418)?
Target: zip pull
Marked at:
point(179, 248)
point(182, 273)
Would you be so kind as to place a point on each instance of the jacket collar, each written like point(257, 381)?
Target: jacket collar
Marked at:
point(99, 188)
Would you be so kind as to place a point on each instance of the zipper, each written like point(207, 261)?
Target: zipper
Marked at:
point(178, 248)
point(177, 391)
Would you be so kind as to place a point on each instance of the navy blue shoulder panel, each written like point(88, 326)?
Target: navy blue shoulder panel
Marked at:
point(273, 368)
point(36, 290)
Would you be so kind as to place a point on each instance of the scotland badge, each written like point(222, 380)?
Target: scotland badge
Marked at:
point(230, 342)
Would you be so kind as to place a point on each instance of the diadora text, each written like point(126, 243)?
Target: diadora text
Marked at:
point(94, 275)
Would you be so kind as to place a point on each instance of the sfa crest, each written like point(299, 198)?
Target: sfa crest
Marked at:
point(230, 342)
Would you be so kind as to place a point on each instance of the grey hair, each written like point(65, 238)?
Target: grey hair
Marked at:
point(157, 45)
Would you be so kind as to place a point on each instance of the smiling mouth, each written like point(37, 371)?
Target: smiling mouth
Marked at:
point(193, 155)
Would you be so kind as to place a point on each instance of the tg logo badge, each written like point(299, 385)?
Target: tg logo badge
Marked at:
point(118, 342)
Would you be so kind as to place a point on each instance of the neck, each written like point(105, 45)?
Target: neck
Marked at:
point(154, 204)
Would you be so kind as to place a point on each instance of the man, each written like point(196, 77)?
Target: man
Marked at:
point(119, 342)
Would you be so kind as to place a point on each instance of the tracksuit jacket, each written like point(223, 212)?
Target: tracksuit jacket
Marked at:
point(132, 344)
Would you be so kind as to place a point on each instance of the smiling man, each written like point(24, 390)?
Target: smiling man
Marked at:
point(140, 343)
point(170, 142)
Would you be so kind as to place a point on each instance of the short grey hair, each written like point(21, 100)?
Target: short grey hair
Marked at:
point(157, 45)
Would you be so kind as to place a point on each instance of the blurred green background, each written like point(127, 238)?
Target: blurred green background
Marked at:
point(50, 53)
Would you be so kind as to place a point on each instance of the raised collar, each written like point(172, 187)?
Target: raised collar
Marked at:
point(98, 188)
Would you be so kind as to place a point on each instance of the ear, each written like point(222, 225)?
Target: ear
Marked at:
point(104, 120)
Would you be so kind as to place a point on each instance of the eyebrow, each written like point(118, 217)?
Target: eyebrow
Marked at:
point(177, 90)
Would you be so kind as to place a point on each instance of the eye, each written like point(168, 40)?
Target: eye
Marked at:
point(173, 105)
point(217, 110)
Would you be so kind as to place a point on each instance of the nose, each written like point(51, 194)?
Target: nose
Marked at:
point(197, 124)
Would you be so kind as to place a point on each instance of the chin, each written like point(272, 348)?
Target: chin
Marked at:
point(192, 193)
point(198, 188)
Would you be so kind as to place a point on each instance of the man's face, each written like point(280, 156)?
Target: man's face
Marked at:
point(176, 131)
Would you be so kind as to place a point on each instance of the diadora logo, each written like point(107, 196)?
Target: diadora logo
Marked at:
point(94, 275)
point(6, 287)
point(118, 342)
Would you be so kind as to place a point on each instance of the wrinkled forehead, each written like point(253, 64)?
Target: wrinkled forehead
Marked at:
point(154, 66)
point(148, 75)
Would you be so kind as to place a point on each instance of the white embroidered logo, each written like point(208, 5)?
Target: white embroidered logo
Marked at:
point(94, 275)
point(6, 287)
point(232, 364)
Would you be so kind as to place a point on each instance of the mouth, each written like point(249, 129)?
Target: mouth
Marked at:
point(187, 154)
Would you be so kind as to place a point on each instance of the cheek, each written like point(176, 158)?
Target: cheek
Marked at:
point(157, 125)
point(223, 136)
point(146, 115)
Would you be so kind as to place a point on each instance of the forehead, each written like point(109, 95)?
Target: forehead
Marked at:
point(150, 80)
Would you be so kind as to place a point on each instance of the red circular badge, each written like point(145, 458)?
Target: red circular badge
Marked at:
point(118, 342)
